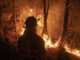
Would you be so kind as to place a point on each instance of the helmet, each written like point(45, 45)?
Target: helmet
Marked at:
point(31, 21)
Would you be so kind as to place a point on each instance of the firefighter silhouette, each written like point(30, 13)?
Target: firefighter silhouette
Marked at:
point(30, 43)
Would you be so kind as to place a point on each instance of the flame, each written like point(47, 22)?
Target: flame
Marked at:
point(22, 32)
point(31, 10)
point(47, 40)
point(48, 43)
point(39, 23)
point(74, 51)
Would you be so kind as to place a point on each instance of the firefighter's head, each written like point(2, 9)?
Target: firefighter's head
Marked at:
point(31, 22)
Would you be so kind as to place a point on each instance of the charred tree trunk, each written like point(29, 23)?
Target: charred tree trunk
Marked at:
point(46, 10)
point(65, 25)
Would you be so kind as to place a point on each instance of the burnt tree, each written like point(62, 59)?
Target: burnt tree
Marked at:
point(46, 10)
point(66, 20)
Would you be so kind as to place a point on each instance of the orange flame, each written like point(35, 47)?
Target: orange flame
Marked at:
point(47, 40)
point(39, 23)
point(48, 43)
point(30, 12)
point(22, 32)
point(74, 51)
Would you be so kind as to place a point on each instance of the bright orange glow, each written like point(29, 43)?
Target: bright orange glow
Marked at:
point(22, 32)
point(31, 10)
point(48, 43)
point(47, 40)
point(39, 23)
point(74, 51)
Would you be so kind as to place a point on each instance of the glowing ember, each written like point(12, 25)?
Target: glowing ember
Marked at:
point(48, 43)
point(31, 10)
point(22, 31)
point(39, 23)
point(74, 51)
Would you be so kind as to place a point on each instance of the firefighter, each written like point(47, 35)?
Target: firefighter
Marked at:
point(30, 44)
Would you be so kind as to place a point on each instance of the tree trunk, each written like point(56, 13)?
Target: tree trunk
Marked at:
point(65, 25)
point(46, 10)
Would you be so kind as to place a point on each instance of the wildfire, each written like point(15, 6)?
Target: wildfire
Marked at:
point(47, 39)
point(74, 51)
point(48, 43)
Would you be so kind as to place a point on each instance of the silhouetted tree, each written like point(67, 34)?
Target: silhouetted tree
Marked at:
point(46, 5)
point(65, 25)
